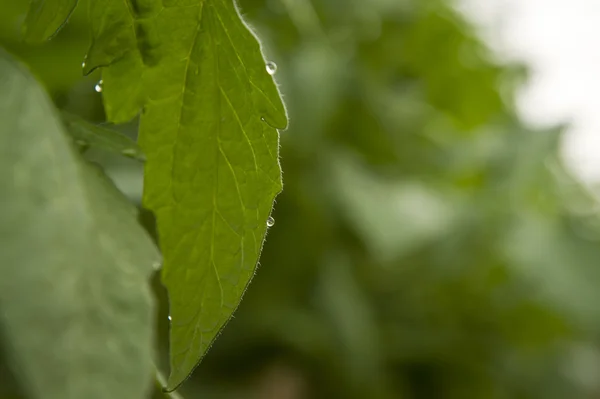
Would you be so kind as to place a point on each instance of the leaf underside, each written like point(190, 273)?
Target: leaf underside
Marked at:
point(209, 131)
point(85, 133)
point(75, 304)
point(45, 18)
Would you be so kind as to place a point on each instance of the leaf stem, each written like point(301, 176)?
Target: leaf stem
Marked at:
point(161, 382)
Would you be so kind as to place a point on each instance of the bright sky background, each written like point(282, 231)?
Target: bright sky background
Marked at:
point(560, 41)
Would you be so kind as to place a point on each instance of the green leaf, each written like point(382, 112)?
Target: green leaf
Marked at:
point(45, 18)
point(209, 133)
point(75, 304)
point(88, 134)
point(124, 36)
point(374, 207)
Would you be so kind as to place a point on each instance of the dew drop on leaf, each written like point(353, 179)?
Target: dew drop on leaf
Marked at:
point(270, 124)
point(98, 86)
point(270, 221)
point(169, 317)
point(271, 68)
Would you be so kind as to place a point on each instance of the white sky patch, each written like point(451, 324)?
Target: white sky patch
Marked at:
point(560, 42)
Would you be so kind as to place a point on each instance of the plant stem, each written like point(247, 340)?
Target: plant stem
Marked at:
point(160, 383)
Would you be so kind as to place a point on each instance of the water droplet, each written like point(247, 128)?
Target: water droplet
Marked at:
point(169, 317)
point(98, 86)
point(270, 221)
point(270, 122)
point(271, 68)
point(83, 65)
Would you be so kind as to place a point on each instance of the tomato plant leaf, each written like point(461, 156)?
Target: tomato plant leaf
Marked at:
point(75, 303)
point(209, 132)
point(124, 36)
point(45, 18)
point(88, 134)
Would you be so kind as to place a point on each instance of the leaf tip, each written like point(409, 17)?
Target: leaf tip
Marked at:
point(43, 23)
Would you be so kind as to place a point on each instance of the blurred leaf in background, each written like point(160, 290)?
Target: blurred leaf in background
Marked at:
point(91, 335)
point(426, 245)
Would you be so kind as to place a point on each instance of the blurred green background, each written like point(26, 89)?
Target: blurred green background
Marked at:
point(426, 245)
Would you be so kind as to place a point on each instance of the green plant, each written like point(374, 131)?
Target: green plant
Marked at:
point(75, 306)
point(428, 244)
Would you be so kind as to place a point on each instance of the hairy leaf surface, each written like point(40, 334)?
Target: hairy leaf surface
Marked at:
point(75, 305)
point(45, 18)
point(212, 171)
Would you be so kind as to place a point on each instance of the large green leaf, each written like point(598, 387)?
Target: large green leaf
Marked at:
point(212, 172)
point(75, 305)
point(212, 169)
point(208, 130)
point(45, 18)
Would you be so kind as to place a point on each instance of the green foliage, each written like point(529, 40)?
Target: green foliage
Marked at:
point(427, 244)
point(212, 168)
point(116, 28)
point(45, 18)
point(87, 134)
point(76, 309)
point(209, 128)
